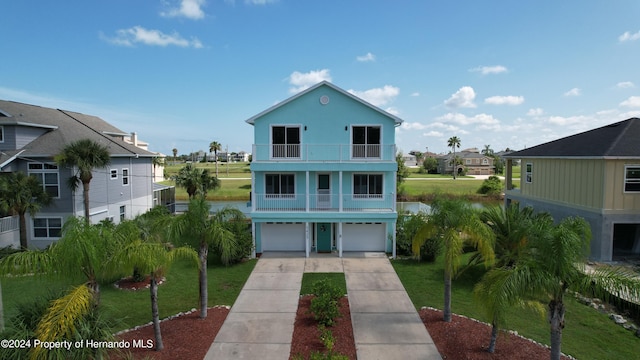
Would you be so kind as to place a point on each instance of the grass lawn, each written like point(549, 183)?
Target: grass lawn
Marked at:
point(179, 293)
point(588, 334)
point(308, 279)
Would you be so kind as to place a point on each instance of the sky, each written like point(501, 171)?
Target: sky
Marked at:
point(184, 73)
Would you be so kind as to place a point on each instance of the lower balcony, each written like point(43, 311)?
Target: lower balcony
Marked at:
point(324, 202)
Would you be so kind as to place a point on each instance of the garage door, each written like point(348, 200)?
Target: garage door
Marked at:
point(363, 237)
point(282, 237)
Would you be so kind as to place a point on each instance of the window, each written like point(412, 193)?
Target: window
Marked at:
point(123, 212)
point(285, 141)
point(468, 161)
point(367, 186)
point(366, 141)
point(47, 227)
point(632, 178)
point(529, 173)
point(125, 177)
point(280, 185)
point(1, 134)
point(48, 176)
point(485, 161)
point(114, 174)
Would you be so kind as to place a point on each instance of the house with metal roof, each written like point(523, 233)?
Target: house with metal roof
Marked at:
point(30, 137)
point(323, 174)
point(594, 175)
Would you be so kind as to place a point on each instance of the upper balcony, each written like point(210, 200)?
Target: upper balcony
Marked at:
point(324, 153)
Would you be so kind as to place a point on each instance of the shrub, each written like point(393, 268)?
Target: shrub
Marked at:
point(406, 228)
point(491, 186)
point(430, 250)
point(324, 305)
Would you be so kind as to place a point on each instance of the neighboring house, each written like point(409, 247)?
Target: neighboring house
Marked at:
point(410, 160)
point(594, 175)
point(323, 174)
point(473, 161)
point(30, 137)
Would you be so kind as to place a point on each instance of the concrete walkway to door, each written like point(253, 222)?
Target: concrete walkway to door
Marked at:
point(385, 323)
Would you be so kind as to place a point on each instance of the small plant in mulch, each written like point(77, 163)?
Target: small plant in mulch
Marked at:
point(133, 284)
point(324, 305)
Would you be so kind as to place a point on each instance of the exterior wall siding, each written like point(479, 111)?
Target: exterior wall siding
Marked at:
point(578, 182)
point(616, 199)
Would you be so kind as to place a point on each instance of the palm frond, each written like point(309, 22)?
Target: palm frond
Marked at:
point(28, 262)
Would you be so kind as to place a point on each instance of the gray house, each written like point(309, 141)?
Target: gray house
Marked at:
point(30, 136)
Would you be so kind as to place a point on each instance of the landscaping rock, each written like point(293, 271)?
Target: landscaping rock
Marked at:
point(618, 319)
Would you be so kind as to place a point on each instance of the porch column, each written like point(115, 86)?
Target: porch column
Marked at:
point(340, 234)
point(253, 239)
point(253, 195)
point(307, 194)
point(393, 250)
point(307, 245)
point(340, 196)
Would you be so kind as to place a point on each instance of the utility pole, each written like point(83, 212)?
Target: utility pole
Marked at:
point(227, 152)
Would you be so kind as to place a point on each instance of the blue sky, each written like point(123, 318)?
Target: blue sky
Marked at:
point(183, 73)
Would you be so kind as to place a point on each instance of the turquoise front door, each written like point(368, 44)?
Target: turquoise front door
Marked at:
point(323, 237)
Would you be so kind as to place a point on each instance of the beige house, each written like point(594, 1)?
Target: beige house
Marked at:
point(473, 161)
point(594, 175)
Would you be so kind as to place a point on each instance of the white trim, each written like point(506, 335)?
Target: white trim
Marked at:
point(44, 171)
point(528, 175)
point(33, 227)
point(126, 178)
point(368, 195)
point(112, 172)
point(280, 195)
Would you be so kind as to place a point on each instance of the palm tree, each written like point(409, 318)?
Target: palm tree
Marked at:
point(552, 264)
point(487, 151)
point(214, 147)
point(198, 227)
point(175, 154)
point(195, 180)
point(456, 223)
point(453, 143)
point(19, 194)
point(153, 258)
point(512, 227)
point(83, 156)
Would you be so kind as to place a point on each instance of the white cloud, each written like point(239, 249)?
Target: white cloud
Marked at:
point(415, 94)
point(413, 126)
point(504, 100)
point(140, 35)
point(486, 70)
point(461, 119)
point(573, 92)
point(393, 111)
point(625, 85)
point(366, 58)
point(377, 96)
point(569, 120)
point(632, 101)
point(434, 134)
point(260, 2)
point(535, 112)
point(191, 9)
point(303, 81)
point(463, 98)
point(627, 36)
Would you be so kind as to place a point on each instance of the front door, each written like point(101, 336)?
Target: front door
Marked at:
point(323, 237)
point(324, 191)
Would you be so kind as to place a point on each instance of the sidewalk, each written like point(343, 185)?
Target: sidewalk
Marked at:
point(385, 323)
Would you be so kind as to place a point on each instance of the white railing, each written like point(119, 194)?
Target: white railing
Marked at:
point(324, 202)
point(9, 223)
point(324, 152)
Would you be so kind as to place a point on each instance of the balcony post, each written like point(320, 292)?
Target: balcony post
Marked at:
point(306, 193)
point(340, 239)
point(340, 192)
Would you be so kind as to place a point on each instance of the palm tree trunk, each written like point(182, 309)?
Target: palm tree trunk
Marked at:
point(556, 320)
point(204, 294)
point(215, 155)
point(95, 290)
point(23, 231)
point(155, 313)
point(494, 337)
point(85, 195)
point(447, 296)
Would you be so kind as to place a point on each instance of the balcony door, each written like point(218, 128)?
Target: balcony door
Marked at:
point(324, 191)
point(285, 141)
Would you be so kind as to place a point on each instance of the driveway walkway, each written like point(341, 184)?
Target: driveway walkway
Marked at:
point(385, 323)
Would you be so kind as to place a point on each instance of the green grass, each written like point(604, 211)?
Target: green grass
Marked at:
point(588, 334)
point(308, 279)
point(130, 308)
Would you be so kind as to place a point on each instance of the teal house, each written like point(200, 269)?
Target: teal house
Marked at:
point(323, 174)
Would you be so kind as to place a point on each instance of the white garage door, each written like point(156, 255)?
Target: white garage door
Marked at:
point(282, 237)
point(363, 237)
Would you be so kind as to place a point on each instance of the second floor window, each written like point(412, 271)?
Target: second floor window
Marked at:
point(125, 177)
point(285, 141)
point(529, 173)
point(279, 185)
point(366, 141)
point(47, 174)
point(367, 185)
point(632, 179)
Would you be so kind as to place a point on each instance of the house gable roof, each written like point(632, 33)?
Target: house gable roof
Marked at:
point(252, 119)
point(621, 139)
point(63, 127)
